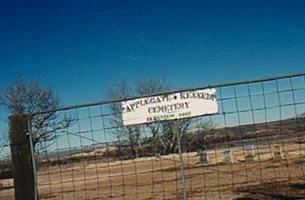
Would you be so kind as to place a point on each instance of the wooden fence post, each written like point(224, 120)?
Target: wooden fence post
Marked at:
point(21, 158)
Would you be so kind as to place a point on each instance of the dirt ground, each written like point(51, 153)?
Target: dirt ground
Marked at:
point(269, 172)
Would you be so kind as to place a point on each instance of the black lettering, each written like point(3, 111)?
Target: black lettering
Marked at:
point(128, 109)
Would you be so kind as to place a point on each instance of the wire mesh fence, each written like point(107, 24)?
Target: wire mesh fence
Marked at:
point(253, 146)
point(6, 179)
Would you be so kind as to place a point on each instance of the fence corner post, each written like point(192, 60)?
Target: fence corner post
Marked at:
point(23, 173)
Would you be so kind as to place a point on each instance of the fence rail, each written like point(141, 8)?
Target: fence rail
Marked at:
point(254, 146)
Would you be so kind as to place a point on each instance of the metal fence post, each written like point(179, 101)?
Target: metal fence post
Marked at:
point(177, 132)
point(21, 151)
point(30, 134)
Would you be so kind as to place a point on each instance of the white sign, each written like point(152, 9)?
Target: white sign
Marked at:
point(167, 107)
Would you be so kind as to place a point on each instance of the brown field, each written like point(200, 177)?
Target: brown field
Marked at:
point(159, 178)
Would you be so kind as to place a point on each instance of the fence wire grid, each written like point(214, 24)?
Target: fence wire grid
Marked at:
point(253, 147)
point(6, 181)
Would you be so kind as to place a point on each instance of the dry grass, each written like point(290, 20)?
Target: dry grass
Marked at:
point(159, 178)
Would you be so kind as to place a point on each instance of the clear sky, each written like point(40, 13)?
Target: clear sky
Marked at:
point(80, 47)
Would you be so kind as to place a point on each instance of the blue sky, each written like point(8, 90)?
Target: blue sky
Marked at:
point(80, 48)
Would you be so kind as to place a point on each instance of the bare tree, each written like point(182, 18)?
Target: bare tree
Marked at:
point(30, 97)
point(131, 133)
point(172, 131)
point(164, 134)
point(199, 134)
point(147, 87)
point(3, 143)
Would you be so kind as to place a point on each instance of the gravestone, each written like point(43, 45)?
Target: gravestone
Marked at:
point(250, 153)
point(277, 151)
point(227, 156)
point(203, 156)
